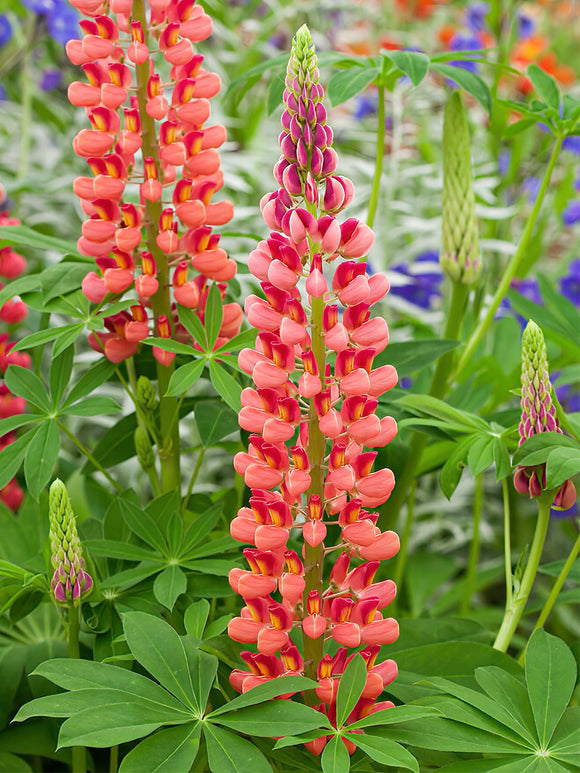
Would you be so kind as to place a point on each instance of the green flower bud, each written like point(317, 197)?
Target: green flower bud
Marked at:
point(460, 241)
point(70, 583)
point(144, 448)
point(146, 395)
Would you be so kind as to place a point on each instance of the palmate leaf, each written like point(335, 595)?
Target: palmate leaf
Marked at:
point(170, 750)
point(228, 753)
point(267, 690)
point(335, 757)
point(168, 585)
point(511, 694)
point(350, 688)
point(285, 716)
point(385, 751)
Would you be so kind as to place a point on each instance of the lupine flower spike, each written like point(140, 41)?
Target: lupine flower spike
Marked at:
point(538, 415)
point(460, 242)
point(70, 582)
point(309, 422)
point(148, 143)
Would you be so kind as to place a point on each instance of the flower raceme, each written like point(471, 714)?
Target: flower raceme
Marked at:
point(538, 415)
point(310, 413)
point(148, 142)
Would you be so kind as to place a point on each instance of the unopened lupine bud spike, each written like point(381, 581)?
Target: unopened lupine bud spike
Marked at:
point(460, 231)
point(70, 583)
point(146, 395)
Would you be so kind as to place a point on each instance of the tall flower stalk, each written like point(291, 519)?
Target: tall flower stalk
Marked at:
point(538, 415)
point(312, 411)
point(155, 169)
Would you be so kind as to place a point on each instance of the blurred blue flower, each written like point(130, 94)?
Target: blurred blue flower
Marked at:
point(5, 30)
point(51, 79)
point(366, 104)
point(571, 215)
point(571, 512)
point(572, 144)
point(529, 289)
point(39, 6)
point(531, 187)
point(569, 397)
point(570, 284)
point(465, 41)
point(526, 26)
point(577, 180)
point(423, 277)
point(62, 23)
point(475, 14)
point(503, 162)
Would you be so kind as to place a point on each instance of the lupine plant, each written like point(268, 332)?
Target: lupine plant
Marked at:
point(211, 436)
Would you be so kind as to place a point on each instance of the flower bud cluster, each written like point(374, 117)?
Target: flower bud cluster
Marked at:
point(12, 312)
point(148, 142)
point(70, 582)
point(310, 413)
point(538, 415)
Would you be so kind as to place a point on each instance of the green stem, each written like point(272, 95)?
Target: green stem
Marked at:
point(404, 549)
point(379, 157)
point(515, 610)
point(169, 446)
point(142, 419)
point(89, 456)
point(314, 556)
point(471, 573)
point(193, 478)
point(512, 267)
point(114, 759)
point(551, 600)
point(26, 97)
point(439, 383)
point(79, 762)
point(507, 547)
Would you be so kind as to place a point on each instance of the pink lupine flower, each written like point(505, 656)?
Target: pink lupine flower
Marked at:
point(306, 463)
point(538, 415)
point(155, 148)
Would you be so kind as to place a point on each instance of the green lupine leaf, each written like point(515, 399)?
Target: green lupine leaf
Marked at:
point(385, 751)
point(200, 528)
point(21, 285)
point(67, 339)
point(60, 371)
point(168, 585)
point(92, 406)
point(142, 524)
point(511, 694)
point(550, 676)
point(102, 726)
point(20, 420)
point(185, 377)
point(286, 716)
point(563, 463)
point(195, 618)
point(214, 422)
point(415, 64)
point(501, 459)
point(213, 317)
point(43, 337)
point(203, 669)
point(537, 449)
point(410, 359)
point(122, 550)
point(228, 753)
point(170, 750)
point(265, 691)
point(544, 85)
point(22, 235)
point(247, 338)
point(453, 468)
point(63, 278)
point(225, 385)
point(469, 81)
point(24, 383)
point(480, 454)
point(192, 323)
point(565, 743)
point(346, 83)
point(97, 374)
point(169, 345)
point(41, 457)
point(159, 649)
point(335, 757)
point(350, 688)
point(11, 456)
point(393, 715)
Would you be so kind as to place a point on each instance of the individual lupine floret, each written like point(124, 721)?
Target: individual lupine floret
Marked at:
point(155, 147)
point(459, 257)
point(310, 420)
point(70, 583)
point(538, 415)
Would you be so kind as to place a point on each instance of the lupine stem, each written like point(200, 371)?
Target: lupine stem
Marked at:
point(141, 419)
point(314, 556)
point(507, 542)
point(515, 610)
point(114, 759)
point(79, 762)
point(471, 572)
point(161, 302)
point(193, 478)
point(404, 549)
point(379, 157)
point(551, 600)
point(512, 267)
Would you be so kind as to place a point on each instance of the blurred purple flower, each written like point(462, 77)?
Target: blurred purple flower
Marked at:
point(5, 30)
point(571, 215)
point(62, 23)
point(423, 277)
point(572, 144)
point(526, 26)
point(570, 284)
point(569, 397)
point(366, 104)
point(475, 13)
point(466, 41)
point(529, 289)
point(503, 162)
point(51, 79)
point(531, 187)
point(577, 180)
point(39, 6)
